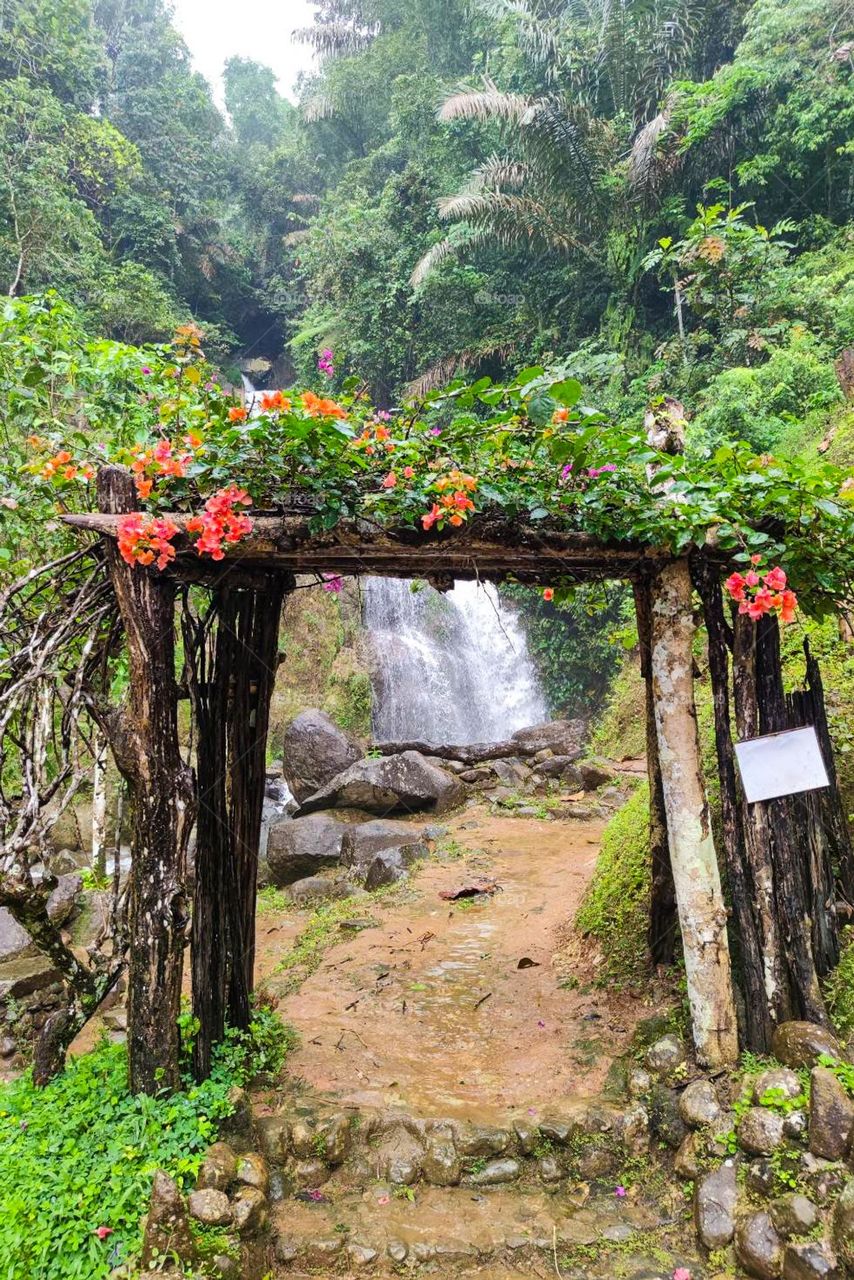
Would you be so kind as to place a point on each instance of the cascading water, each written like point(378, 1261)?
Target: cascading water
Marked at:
point(451, 668)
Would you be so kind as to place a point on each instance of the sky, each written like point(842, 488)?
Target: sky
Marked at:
point(259, 29)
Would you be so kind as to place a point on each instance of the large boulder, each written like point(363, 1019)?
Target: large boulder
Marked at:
point(63, 898)
point(166, 1231)
point(14, 939)
point(299, 847)
point(715, 1197)
point(364, 840)
point(315, 751)
point(405, 783)
point(391, 865)
point(563, 737)
point(831, 1115)
point(801, 1044)
point(758, 1247)
point(843, 1227)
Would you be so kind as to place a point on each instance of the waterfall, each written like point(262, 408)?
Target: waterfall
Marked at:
point(452, 667)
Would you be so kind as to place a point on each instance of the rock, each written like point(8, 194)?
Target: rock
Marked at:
point(315, 751)
point(494, 1173)
point(663, 1057)
point(8, 1047)
point(239, 1127)
point(285, 1250)
point(223, 1265)
point(640, 1082)
point(800, 1044)
point(633, 1129)
point(715, 1196)
point(843, 1226)
point(665, 1119)
point(14, 939)
point(597, 1159)
point(210, 1206)
point(441, 1166)
point(563, 737)
point(405, 783)
point(831, 1115)
point(361, 1255)
point(335, 1133)
point(698, 1104)
point(167, 1228)
point(562, 768)
point(391, 865)
point(307, 1174)
point(253, 1171)
point(549, 1170)
point(399, 1157)
point(823, 1178)
point(760, 1132)
point(810, 1261)
point(298, 847)
point(686, 1162)
point(758, 1247)
point(314, 889)
point(274, 1135)
point(793, 1214)
point(63, 898)
point(595, 773)
point(250, 1210)
point(761, 1178)
point(364, 840)
point(397, 1250)
point(481, 1141)
point(481, 774)
point(219, 1168)
point(511, 772)
point(776, 1083)
point(795, 1124)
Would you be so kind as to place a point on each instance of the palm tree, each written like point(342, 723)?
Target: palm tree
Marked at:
point(602, 67)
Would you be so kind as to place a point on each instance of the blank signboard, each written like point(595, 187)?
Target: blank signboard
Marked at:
point(781, 764)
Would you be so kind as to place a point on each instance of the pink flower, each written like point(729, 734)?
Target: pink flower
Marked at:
point(752, 578)
point(620, 1192)
point(566, 471)
point(145, 369)
point(775, 579)
point(681, 1273)
point(102, 1232)
point(315, 1195)
point(390, 480)
point(593, 472)
point(435, 431)
point(332, 582)
point(383, 1199)
point(540, 1023)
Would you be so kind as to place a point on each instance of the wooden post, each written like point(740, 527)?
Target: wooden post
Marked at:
point(661, 934)
point(702, 913)
point(752, 903)
point(232, 675)
point(146, 747)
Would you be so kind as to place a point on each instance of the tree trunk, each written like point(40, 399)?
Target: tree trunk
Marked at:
point(749, 906)
point(702, 913)
point(231, 685)
point(661, 934)
point(162, 793)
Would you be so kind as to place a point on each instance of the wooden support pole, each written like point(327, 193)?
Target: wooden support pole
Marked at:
point(752, 898)
point(661, 934)
point(702, 913)
point(146, 748)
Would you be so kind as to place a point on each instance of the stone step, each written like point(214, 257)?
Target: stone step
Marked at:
point(498, 1232)
point(307, 1140)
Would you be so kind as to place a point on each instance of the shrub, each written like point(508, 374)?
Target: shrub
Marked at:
point(81, 1153)
point(615, 908)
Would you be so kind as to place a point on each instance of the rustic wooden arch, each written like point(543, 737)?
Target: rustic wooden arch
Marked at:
point(232, 654)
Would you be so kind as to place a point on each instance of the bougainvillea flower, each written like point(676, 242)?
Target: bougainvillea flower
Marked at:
point(237, 413)
point(775, 579)
point(620, 1192)
point(788, 606)
point(275, 402)
point(332, 582)
point(390, 481)
point(146, 541)
point(316, 407)
point(593, 472)
point(549, 593)
point(681, 1273)
point(751, 578)
point(561, 414)
point(102, 1232)
point(408, 473)
point(430, 518)
point(735, 585)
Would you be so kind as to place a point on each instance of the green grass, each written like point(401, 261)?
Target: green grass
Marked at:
point(81, 1153)
point(614, 909)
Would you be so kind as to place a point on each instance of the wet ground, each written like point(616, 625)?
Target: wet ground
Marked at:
point(457, 1007)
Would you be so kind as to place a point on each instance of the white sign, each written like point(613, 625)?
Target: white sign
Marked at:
point(781, 764)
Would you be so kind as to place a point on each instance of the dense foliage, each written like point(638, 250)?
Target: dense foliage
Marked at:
point(80, 1154)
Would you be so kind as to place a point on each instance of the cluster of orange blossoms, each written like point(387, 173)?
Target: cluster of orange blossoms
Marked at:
point(221, 525)
point(146, 541)
point(375, 437)
point(455, 504)
point(61, 465)
point(274, 402)
point(759, 593)
point(319, 407)
point(166, 458)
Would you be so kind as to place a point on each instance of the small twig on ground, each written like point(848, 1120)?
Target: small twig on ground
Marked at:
point(483, 1000)
point(558, 1272)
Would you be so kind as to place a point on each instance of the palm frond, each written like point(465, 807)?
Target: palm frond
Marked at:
point(318, 107)
point(435, 255)
point(647, 167)
point(512, 221)
point(485, 104)
point(502, 172)
point(442, 371)
point(336, 39)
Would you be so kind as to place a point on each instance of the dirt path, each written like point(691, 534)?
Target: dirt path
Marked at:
point(430, 1010)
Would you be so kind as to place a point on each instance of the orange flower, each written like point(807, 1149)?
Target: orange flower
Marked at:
point(275, 402)
point(408, 472)
point(63, 457)
point(237, 413)
point(430, 518)
point(143, 486)
point(70, 473)
point(549, 594)
point(316, 407)
point(561, 414)
point(390, 481)
point(194, 440)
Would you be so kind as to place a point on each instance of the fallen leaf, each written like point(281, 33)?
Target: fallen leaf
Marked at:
point(527, 963)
